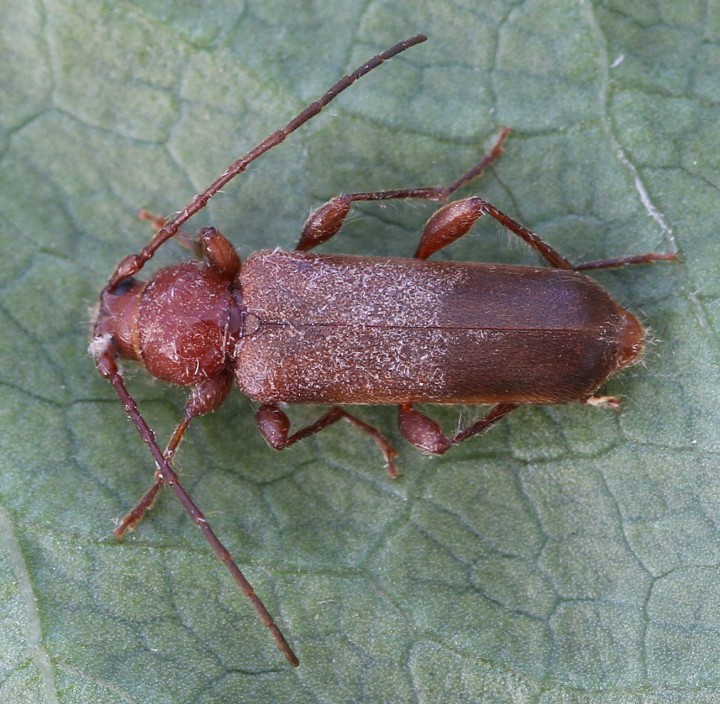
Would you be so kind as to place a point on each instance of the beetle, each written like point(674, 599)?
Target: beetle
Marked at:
point(301, 327)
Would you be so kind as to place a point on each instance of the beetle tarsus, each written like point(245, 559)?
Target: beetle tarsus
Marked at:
point(617, 262)
point(614, 403)
point(133, 517)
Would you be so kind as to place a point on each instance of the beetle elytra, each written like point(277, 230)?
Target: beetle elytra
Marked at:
point(300, 327)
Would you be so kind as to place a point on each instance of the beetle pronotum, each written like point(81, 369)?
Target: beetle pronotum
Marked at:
point(346, 329)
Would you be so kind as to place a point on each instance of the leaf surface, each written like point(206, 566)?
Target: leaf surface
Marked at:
point(571, 555)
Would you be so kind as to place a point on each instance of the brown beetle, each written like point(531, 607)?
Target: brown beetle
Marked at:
point(294, 327)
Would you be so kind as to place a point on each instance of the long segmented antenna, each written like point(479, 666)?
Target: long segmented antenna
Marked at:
point(131, 264)
point(104, 347)
point(108, 368)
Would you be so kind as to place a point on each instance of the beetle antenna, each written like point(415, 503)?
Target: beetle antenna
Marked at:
point(130, 265)
point(104, 353)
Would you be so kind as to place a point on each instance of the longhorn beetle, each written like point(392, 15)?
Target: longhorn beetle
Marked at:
point(294, 327)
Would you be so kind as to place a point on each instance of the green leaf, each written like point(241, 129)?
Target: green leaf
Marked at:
point(571, 555)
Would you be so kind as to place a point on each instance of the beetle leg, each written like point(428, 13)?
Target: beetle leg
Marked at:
point(204, 397)
point(455, 219)
point(214, 247)
point(217, 249)
point(157, 222)
point(219, 252)
point(612, 402)
point(648, 258)
point(425, 434)
point(274, 426)
point(326, 221)
point(146, 502)
point(208, 243)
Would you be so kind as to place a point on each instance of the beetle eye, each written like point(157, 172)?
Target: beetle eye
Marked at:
point(124, 286)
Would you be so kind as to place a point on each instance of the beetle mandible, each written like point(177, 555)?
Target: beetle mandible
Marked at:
point(347, 329)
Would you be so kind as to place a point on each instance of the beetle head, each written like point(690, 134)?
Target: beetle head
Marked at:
point(116, 315)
